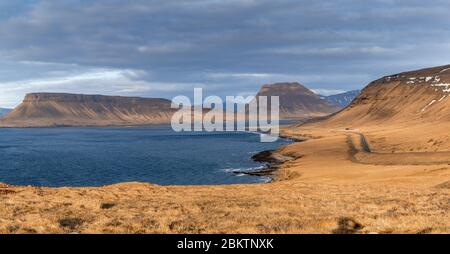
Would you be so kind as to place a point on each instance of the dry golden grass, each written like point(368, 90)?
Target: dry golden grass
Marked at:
point(323, 191)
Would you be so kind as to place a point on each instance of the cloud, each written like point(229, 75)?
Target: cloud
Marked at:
point(229, 47)
point(373, 50)
point(327, 92)
point(260, 78)
point(76, 79)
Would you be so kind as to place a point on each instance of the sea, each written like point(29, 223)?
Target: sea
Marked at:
point(56, 157)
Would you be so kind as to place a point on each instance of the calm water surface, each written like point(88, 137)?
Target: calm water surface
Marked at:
point(101, 156)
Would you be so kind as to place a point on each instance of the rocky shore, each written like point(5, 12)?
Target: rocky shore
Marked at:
point(272, 159)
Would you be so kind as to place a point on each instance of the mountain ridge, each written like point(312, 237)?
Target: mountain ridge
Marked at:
point(402, 113)
point(65, 109)
point(411, 96)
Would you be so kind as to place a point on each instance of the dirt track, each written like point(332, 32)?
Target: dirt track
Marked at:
point(362, 153)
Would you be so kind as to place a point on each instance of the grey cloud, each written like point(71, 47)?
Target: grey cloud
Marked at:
point(331, 45)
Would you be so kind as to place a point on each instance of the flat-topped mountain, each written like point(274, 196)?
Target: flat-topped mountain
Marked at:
point(63, 109)
point(297, 101)
point(60, 109)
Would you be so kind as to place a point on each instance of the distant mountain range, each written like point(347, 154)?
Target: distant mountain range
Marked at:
point(343, 99)
point(4, 111)
point(60, 109)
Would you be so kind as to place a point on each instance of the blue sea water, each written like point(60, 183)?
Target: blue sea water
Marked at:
point(57, 157)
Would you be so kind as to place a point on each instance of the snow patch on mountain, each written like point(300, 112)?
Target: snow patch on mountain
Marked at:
point(342, 99)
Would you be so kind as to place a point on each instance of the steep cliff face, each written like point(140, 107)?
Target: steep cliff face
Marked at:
point(297, 101)
point(415, 96)
point(53, 109)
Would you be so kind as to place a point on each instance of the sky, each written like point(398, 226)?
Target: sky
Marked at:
point(163, 48)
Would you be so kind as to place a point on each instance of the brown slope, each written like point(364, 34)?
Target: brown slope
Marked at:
point(57, 109)
point(297, 101)
point(415, 96)
point(405, 112)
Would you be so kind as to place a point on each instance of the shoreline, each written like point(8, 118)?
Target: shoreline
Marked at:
point(273, 160)
point(309, 195)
